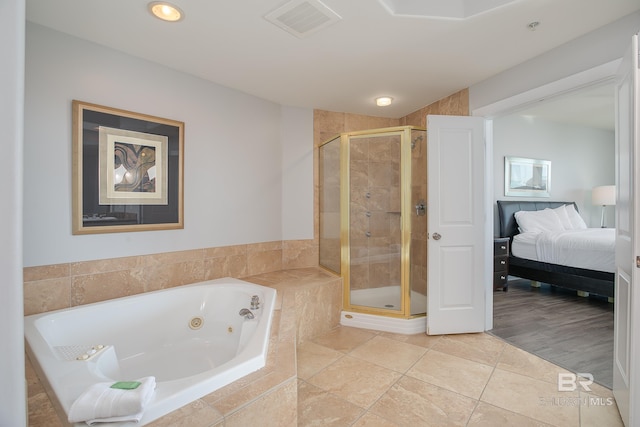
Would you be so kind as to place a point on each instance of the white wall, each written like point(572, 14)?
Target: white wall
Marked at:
point(13, 386)
point(297, 173)
point(234, 153)
point(581, 158)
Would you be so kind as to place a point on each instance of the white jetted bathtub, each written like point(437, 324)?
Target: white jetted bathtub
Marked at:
point(191, 338)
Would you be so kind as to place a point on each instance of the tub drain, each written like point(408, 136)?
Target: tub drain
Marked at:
point(196, 322)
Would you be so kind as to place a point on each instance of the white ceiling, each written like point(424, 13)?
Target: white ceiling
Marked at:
point(368, 53)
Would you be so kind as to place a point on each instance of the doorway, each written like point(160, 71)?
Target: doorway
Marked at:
point(575, 130)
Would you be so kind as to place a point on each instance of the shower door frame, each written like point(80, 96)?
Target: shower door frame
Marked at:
point(405, 220)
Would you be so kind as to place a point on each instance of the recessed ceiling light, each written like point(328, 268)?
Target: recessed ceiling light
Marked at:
point(165, 11)
point(383, 101)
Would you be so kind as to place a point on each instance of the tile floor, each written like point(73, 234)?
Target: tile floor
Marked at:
point(356, 377)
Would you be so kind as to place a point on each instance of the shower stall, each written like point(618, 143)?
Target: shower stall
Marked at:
point(373, 225)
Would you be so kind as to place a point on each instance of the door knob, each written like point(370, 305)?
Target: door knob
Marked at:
point(436, 236)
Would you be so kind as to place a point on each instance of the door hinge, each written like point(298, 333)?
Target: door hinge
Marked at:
point(637, 261)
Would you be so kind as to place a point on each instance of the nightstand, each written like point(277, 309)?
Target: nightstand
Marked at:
point(500, 263)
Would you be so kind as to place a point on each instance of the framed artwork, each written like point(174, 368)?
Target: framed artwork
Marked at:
point(527, 177)
point(127, 171)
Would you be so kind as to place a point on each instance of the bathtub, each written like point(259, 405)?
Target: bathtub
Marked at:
point(191, 338)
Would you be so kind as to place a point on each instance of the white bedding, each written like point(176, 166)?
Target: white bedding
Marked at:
point(590, 248)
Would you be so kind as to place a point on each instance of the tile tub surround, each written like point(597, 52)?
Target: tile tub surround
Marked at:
point(52, 287)
point(267, 397)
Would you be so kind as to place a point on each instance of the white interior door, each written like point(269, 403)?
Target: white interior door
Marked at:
point(459, 221)
point(626, 375)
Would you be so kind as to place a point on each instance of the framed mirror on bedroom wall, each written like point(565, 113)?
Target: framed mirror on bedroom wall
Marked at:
point(525, 177)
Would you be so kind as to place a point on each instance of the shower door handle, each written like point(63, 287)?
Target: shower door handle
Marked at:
point(436, 236)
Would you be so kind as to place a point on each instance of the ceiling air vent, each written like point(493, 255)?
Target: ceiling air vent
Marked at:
point(303, 17)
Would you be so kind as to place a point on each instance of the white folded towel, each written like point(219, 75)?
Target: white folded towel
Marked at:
point(100, 403)
point(127, 418)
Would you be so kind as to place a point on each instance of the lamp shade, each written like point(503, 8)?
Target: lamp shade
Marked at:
point(604, 195)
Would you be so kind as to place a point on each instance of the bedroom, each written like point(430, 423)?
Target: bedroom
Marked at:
point(575, 131)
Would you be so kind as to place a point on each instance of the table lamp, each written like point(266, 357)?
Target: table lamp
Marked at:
point(604, 195)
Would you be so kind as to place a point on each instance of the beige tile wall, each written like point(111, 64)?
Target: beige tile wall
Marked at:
point(53, 287)
point(453, 105)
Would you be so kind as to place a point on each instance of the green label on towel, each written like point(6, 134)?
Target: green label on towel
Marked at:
point(126, 385)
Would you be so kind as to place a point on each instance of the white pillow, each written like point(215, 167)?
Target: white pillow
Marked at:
point(561, 211)
point(575, 218)
point(538, 221)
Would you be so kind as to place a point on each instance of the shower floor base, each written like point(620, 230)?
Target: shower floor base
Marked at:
point(385, 297)
point(417, 325)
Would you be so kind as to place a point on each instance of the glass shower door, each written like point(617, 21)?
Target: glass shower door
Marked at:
point(418, 251)
point(329, 204)
point(375, 232)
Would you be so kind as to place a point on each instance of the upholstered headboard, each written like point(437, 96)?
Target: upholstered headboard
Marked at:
point(506, 209)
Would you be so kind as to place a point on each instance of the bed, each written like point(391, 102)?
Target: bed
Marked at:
point(597, 281)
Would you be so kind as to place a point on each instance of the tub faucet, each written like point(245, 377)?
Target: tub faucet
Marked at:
point(246, 313)
point(255, 302)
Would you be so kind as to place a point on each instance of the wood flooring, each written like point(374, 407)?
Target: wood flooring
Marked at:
point(573, 332)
